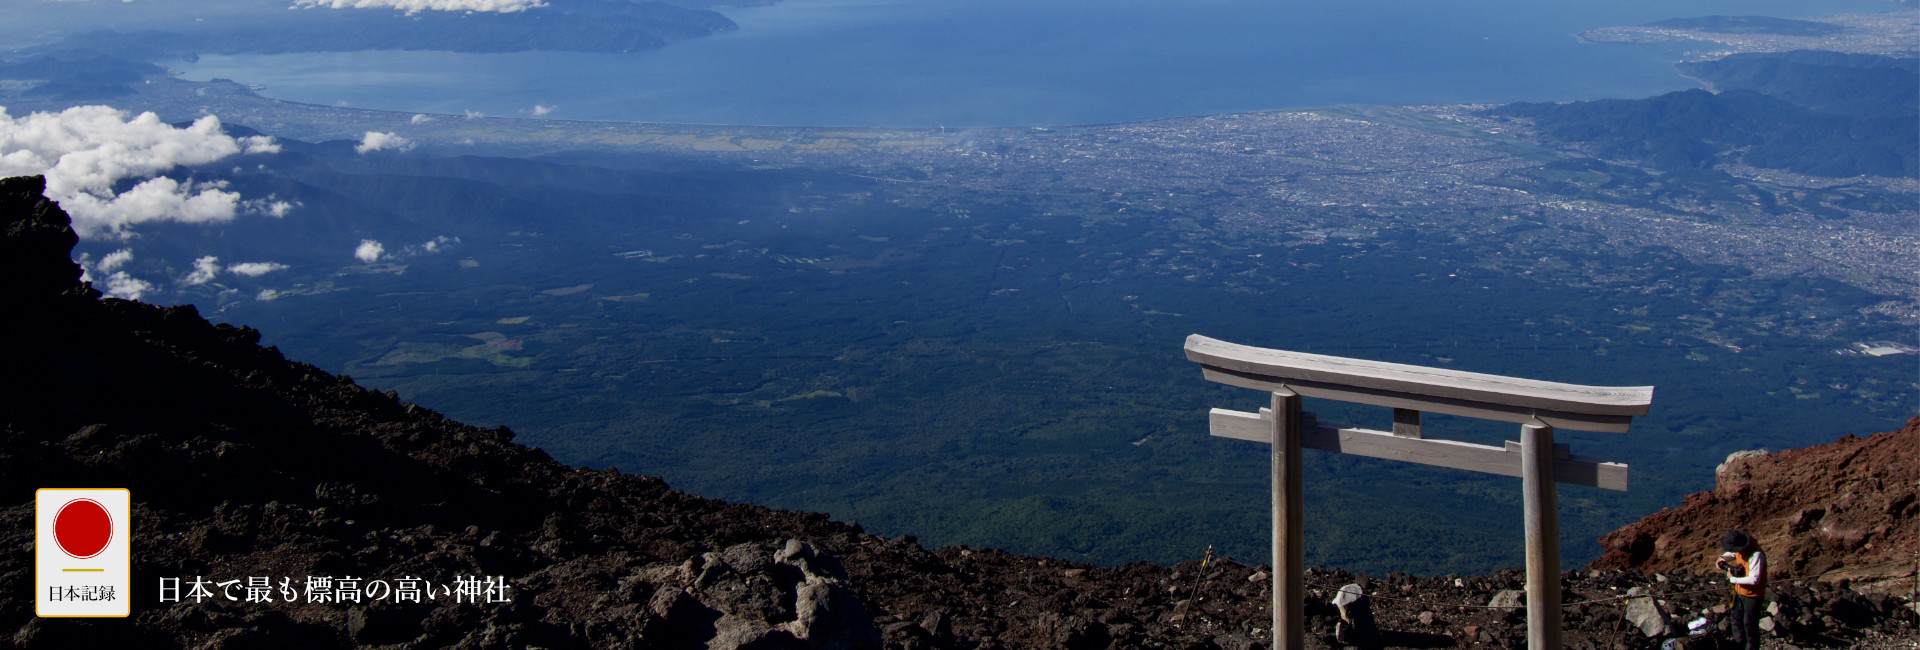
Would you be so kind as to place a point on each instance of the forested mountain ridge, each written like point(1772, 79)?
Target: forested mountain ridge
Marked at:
point(562, 25)
point(1861, 85)
point(1820, 114)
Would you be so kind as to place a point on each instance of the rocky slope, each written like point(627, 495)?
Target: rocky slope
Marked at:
point(243, 464)
point(1839, 511)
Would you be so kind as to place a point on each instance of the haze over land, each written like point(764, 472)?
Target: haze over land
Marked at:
point(972, 334)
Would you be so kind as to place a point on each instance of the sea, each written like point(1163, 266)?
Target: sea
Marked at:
point(1034, 62)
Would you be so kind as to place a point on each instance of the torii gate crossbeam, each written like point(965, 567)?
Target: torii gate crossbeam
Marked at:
point(1538, 406)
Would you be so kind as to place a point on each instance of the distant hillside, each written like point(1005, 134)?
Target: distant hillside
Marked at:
point(721, 4)
point(1841, 511)
point(1834, 83)
point(564, 25)
point(1803, 113)
point(80, 80)
point(1750, 25)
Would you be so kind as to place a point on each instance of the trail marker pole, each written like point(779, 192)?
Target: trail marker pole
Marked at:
point(1538, 406)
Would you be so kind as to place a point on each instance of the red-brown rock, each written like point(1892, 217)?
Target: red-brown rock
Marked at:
point(1838, 511)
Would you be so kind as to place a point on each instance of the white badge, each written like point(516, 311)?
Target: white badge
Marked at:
point(82, 552)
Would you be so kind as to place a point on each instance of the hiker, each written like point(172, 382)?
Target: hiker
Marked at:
point(1747, 569)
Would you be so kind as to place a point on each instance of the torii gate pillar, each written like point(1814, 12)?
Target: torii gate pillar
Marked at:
point(1537, 405)
point(1289, 542)
point(1543, 538)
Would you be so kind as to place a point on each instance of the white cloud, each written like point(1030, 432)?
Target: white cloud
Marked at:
point(256, 269)
point(203, 271)
point(121, 285)
point(114, 260)
point(270, 207)
point(206, 268)
point(474, 115)
point(369, 251)
point(266, 295)
point(378, 140)
point(417, 6)
point(85, 150)
point(259, 144)
point(433, 245)
point(158, 199)
point(542, 109)
point(421, 118)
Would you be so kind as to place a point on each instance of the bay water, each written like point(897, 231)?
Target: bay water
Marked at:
point(1033, 62)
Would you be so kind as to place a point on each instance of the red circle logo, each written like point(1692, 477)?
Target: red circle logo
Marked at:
point(82, 528)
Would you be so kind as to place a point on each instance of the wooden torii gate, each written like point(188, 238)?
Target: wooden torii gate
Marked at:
point(1538, 406)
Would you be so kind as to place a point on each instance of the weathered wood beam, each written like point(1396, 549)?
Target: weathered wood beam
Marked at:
point(1430, 404)
point(1282, 366)
point(1406, 423)
point(1505, 461)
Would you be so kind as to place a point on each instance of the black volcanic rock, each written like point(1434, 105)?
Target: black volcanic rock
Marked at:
point(243, 464)
point(35, 244)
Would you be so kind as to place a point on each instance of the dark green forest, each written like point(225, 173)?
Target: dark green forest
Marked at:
point(1861, 85)
point(1005, 370)
point(1817, 114)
